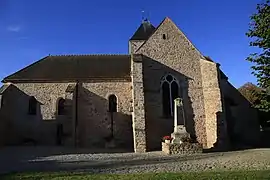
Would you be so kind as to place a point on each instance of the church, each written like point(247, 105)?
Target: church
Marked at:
point(128, 99)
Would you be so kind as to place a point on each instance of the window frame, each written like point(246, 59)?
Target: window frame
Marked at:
point(115, 109)
point(62, 107)
point(163, 80)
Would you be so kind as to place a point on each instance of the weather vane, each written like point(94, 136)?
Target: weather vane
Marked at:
point(144, 16)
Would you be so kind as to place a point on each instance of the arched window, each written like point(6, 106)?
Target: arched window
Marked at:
point(170, 91)
point(32, 106)
point(61, 107)
point(112, 103)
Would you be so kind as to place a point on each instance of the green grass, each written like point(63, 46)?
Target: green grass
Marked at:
point(247, 175)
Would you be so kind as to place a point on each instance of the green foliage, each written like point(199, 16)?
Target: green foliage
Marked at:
point(259, 32)
point(251, 92)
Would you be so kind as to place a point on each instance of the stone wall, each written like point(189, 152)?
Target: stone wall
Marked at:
point(184, 148)
point(134, 45)
point(93, 116)
point(3, 128)
point(46, 94)
point(243, 119)
point(42, 126)
point(212, 100)
point(175, 55)
point(138, 115)
point(94, 120)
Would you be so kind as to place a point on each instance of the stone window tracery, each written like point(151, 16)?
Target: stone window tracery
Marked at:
point(170, 91)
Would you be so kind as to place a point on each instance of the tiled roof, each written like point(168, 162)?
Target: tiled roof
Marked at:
point(74, 67)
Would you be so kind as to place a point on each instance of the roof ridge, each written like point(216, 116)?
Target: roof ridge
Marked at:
point(74, 55)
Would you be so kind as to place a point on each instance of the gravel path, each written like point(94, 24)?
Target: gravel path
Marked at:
point(18, 159)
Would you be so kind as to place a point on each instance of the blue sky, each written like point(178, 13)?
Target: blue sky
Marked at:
point(32, 29)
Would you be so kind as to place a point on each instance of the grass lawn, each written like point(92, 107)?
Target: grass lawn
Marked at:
point(162, 176)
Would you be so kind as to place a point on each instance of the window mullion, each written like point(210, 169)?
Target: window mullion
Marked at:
point(170, 89)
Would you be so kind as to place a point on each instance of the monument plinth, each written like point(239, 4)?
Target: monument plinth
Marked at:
point(179, 122)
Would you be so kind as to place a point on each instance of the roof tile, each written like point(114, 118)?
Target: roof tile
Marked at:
point(74, 67)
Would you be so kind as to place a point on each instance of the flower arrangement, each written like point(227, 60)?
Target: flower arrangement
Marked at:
point(167, 138)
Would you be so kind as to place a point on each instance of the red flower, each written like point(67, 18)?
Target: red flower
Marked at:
point(167, 138)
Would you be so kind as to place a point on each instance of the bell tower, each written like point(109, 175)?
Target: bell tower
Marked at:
point(144, 31)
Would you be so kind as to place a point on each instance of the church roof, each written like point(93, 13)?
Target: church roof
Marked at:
point(144, 31)
point(3, 88)
point(74, 67)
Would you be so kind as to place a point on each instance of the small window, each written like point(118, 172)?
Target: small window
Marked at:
point(112, 103)
point(164, 36)
point(61, 106)
point(32, 106)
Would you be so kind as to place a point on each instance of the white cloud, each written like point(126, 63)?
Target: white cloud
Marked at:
point(14, 28)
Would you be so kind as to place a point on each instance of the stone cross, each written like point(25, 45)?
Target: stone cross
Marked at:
point(179, 122)
point(179, 116)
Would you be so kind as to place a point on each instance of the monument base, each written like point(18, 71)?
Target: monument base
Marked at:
point(178, 133)
point(184, 148)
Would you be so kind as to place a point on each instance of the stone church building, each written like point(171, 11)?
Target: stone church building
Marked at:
point(90, 100)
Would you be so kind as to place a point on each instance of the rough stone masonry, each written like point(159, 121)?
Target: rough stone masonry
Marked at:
point(162, 65)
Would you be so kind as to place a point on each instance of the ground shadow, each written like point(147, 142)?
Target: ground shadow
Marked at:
point(45, 159)
point(19, 125)
point(97, 126)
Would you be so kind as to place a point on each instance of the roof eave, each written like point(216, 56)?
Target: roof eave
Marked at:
point(66, 80)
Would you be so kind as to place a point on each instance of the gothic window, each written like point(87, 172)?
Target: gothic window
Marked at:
point(170, 91)
point(112, 103)
point(32, 106)
point(61, 106)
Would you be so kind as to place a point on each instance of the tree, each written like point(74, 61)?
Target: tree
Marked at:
point(250, 92)
point(259, 32)
point(253, 94)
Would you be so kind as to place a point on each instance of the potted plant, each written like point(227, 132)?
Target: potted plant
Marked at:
point(167, 139)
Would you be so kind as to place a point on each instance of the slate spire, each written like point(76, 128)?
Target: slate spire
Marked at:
point(144, 31)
